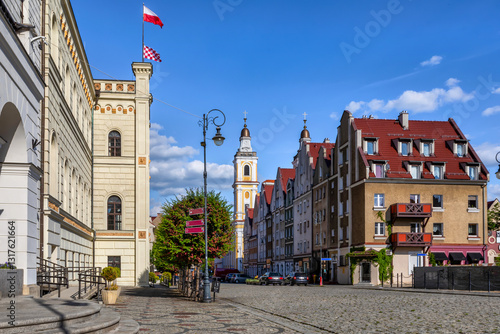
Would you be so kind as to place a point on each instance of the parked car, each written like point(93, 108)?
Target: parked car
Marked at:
point(239, 278)
point(296, 278)
point(271, 278)
point(222, 272)
point(229, 276)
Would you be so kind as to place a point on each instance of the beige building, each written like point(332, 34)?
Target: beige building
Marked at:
point(121, 175)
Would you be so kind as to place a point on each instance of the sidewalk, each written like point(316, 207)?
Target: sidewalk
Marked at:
point(164, 310)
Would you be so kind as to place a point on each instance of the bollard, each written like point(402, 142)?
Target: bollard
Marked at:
point(397, 280)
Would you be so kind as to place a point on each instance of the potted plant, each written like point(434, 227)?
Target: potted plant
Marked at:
point(12, 280)
point(167, 278)
point(112, 291)
point(152, 279)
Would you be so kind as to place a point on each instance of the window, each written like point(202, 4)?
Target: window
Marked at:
point(333, 208)
point(115, 146)
point(341, 157)
point(405, 148)
point(415, 171)
point(370, 147)
point(115, 261)
point(341, 234)
point(473, 172)
point(341, 183)
point(414, 198)
point(426, 149)
point(415, 228)
point(472, 230)
point(246, 170)
point(460, 150)
point(114, 213)
point(341, 209)
point(379, 228)
point(437, 201)
point(438, 172)
point(472, 203)
point(437, 229)
point(379, 201)
point(317, 238)
point(379, 170)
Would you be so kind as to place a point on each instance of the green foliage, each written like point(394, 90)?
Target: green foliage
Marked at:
point(153, 278)
point(494, 217)
point(380, 258)
point(497, 261)
point(380, 215)
point(385, 267)
point(7, 265)
point(253, 281)
point(175, 249)
point(109, 273)
point(166, 276)
point(432, 259)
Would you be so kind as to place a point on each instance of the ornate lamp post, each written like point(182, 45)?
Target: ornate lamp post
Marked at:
point(498, 172)
point(218, 140)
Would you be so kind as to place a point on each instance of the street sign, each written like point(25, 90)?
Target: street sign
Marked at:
point(198, 211)
point(326, 259)
point(190, 230)
point(421, 254)
point(198, 222)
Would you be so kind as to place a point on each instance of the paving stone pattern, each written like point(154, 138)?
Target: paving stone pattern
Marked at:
point(347, 309)
point(162, 310)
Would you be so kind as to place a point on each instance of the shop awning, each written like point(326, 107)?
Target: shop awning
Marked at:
point(440, 256)
point(457, 256)
point(474, 257)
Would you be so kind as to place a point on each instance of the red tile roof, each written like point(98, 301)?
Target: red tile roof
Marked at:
point(268, 192)
point(442, 132)
point(285, 174)
point(314, 151)
point(250, 213)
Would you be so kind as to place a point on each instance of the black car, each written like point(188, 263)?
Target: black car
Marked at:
point(271, 278)
point(296, 278)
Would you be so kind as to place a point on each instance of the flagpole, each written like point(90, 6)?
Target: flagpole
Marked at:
point(142, 32)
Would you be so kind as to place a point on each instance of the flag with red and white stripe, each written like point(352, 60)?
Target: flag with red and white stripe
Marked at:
point(149, 53)
point(150, 16)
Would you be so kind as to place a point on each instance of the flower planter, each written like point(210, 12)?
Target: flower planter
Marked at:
point(11, 283)
point(109, 297)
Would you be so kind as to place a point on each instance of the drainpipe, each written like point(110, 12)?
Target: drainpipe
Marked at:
point(42, 139)
point(485, 226)
point(97, 95)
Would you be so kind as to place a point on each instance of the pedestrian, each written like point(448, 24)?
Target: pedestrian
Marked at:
point(176, 277)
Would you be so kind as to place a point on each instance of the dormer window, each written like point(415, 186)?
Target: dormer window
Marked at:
point(370, 146)
point(404, 148)
point(415, 171)
point(426, 148)
point(438, 171)
point(378, 168)
point(460, 148)
point(473, 172)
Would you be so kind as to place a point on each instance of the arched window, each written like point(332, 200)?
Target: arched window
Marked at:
point(246, 170)
point(114, 213)
point(115, 145)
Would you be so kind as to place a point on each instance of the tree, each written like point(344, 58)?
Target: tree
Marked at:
point(174, 248)
point(494, 217)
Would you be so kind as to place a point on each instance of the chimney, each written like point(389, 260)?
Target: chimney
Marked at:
point(326, 140)
point(371, 117)
point(403, 119)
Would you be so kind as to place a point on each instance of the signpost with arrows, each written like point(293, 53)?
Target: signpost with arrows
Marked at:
point(195, 226)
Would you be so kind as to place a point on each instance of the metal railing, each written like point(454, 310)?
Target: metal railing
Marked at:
point(51, 276)
point(90, 279)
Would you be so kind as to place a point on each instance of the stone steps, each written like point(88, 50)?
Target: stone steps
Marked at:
point(64, 316)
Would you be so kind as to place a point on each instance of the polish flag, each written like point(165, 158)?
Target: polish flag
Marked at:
point(150, 16)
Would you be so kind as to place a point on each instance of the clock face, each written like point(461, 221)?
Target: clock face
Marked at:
point(245, 145)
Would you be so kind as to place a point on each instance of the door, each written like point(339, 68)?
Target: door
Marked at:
point(366, 272)
point(414, 261)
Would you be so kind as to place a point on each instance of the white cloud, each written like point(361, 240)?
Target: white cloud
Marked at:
point(487, 152)
point(172, 169)
point(493, 191)
point(354, 106)
point(490, 111)
point(452, 82)
point(422, 101)
point(435, 60)
point(496, 91)
point(334, 115)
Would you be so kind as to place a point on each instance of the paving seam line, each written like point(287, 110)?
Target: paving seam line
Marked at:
point(297, 326)
point(433, 291)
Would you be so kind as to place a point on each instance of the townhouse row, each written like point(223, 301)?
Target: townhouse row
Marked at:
point(408, 187)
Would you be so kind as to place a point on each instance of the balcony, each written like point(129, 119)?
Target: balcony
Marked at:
point(411, 239)
point(412, 210)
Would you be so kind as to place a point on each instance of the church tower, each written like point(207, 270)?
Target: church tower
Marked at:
point(245, 188)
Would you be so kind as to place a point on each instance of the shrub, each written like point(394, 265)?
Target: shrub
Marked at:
point(167, 276)
point(7, 265)
point(497, 261)
point(110, 274)
point(152, 277)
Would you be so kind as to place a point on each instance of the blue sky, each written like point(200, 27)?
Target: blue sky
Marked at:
point(278, 59)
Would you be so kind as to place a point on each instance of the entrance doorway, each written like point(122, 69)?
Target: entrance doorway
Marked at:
point(366, 272)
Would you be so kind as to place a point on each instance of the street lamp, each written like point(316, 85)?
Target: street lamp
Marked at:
point(498, 172)
point(218, 140)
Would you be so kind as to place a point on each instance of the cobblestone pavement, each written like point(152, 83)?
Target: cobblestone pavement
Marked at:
point(347, 309)
point(162, 310)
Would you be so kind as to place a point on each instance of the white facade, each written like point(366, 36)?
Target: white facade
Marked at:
point(21, 91)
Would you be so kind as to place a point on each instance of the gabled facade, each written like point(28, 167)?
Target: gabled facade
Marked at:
point(411, 187)
point(278, 214)
point(289, 227)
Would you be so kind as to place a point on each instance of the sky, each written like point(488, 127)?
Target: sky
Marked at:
point(279, 59)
